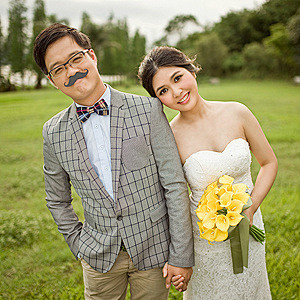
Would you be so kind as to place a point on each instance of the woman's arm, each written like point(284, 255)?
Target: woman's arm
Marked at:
point(265, 156)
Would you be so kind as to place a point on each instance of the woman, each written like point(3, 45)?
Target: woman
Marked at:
point(214, 138)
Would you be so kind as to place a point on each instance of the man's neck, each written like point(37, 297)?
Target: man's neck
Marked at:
point(90, 101)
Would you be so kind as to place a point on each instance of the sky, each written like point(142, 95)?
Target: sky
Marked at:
point(149, 16)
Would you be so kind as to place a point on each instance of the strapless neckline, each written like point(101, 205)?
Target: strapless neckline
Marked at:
point(217, 152)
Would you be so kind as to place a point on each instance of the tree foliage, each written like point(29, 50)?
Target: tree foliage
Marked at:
point(211, 54)
point(39, 23)
point(293, 28)
point(280, 45)
point(117, 51)
point(138, 50)
point(1, 48)
point(258, 61)
point(175, 28)
point(235, 30)
point(17, 36)
point(279, 11)
point(262, 41)
point(245, 31)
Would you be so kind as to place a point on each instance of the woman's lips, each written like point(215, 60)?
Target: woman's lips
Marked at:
point(185, 99)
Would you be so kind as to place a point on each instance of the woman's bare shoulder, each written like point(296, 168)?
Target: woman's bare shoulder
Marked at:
point(232, 108)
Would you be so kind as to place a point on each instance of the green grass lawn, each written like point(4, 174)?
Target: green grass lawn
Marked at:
point(35, 260)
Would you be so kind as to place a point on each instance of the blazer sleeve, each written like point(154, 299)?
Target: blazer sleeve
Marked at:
point(181, 251)
point(58, 196)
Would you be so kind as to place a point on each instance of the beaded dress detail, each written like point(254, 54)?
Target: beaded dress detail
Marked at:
point(213, 276)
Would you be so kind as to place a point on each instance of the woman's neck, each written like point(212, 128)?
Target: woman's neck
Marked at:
point(199, 111)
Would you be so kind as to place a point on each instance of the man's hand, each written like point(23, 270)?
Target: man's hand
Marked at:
point(178, 276)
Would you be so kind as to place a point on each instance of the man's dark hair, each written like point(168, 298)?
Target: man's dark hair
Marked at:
point(163, 57)
point(50, 35)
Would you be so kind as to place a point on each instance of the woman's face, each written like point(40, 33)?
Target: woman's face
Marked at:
point(176, 87)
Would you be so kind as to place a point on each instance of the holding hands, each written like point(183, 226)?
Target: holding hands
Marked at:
point(177, 276)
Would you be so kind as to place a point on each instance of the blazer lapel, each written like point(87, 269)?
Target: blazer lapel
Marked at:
point(80, 145)
point(116, 136)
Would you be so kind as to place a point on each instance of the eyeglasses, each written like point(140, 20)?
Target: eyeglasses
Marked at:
point(73, 61)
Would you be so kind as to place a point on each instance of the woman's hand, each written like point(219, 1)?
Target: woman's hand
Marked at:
point(249, 213)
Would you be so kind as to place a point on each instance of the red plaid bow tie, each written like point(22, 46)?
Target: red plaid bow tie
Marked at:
point(84, 112)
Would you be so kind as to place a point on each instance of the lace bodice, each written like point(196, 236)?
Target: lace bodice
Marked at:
point(213, 277)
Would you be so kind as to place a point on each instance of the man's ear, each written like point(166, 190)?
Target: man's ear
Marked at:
point(51, 81)
point(92, 54)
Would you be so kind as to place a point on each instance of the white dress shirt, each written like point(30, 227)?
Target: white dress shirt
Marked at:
point(96, 132)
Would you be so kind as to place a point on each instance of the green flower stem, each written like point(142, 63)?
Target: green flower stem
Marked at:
point(258, 234)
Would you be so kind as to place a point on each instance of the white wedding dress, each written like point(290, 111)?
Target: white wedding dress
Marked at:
point(213, 276)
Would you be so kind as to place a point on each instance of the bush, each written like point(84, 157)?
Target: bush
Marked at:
point(259, 62)
point(233, 63)
point(211, 54)
point(6, 85)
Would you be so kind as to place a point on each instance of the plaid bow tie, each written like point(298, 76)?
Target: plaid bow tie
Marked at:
point(101, 108)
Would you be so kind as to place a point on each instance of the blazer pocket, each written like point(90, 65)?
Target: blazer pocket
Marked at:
point(158, 212)
point(135, 153)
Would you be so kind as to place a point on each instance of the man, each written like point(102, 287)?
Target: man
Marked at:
point(122, 160)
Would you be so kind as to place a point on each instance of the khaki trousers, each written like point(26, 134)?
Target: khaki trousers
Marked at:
point(144, 285)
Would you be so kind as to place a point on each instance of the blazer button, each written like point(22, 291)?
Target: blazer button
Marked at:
point(119, 218)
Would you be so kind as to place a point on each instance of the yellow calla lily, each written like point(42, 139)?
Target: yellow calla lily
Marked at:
point(225, 199)
point(234, 218)
point(222, 222)
point(214, 206)
point(201, 228)
point(222, 190)
point(225, 179)
point(211, 187)
point(239, 188)
point(235, 206)
point(209, 220)
point(241, 196)
point(209, 235)
point(211, 196)
point(203, 199)
point(201, 211)
point(220, 235)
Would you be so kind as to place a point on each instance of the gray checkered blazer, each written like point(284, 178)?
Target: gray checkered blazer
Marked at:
point(150, 212)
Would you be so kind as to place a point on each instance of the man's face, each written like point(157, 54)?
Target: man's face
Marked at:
point(86, 90)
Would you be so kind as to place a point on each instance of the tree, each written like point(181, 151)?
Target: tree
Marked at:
point(280, 45)
point(116, 52)
point(176, 27)
point(17, 37)
point(1, 48)
point(96, 33)
point(259, 62)
point(54, 19)
point(279, 11)
point(293, 28)
point(211, 54)
point(39, 23)
point(233, 63)
point(234, 30)
point(137, 50)
point(189, 45)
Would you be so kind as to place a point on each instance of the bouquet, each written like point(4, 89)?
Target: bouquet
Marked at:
point(220, 211)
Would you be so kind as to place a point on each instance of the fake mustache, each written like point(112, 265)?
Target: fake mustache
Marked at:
point(75, 77)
